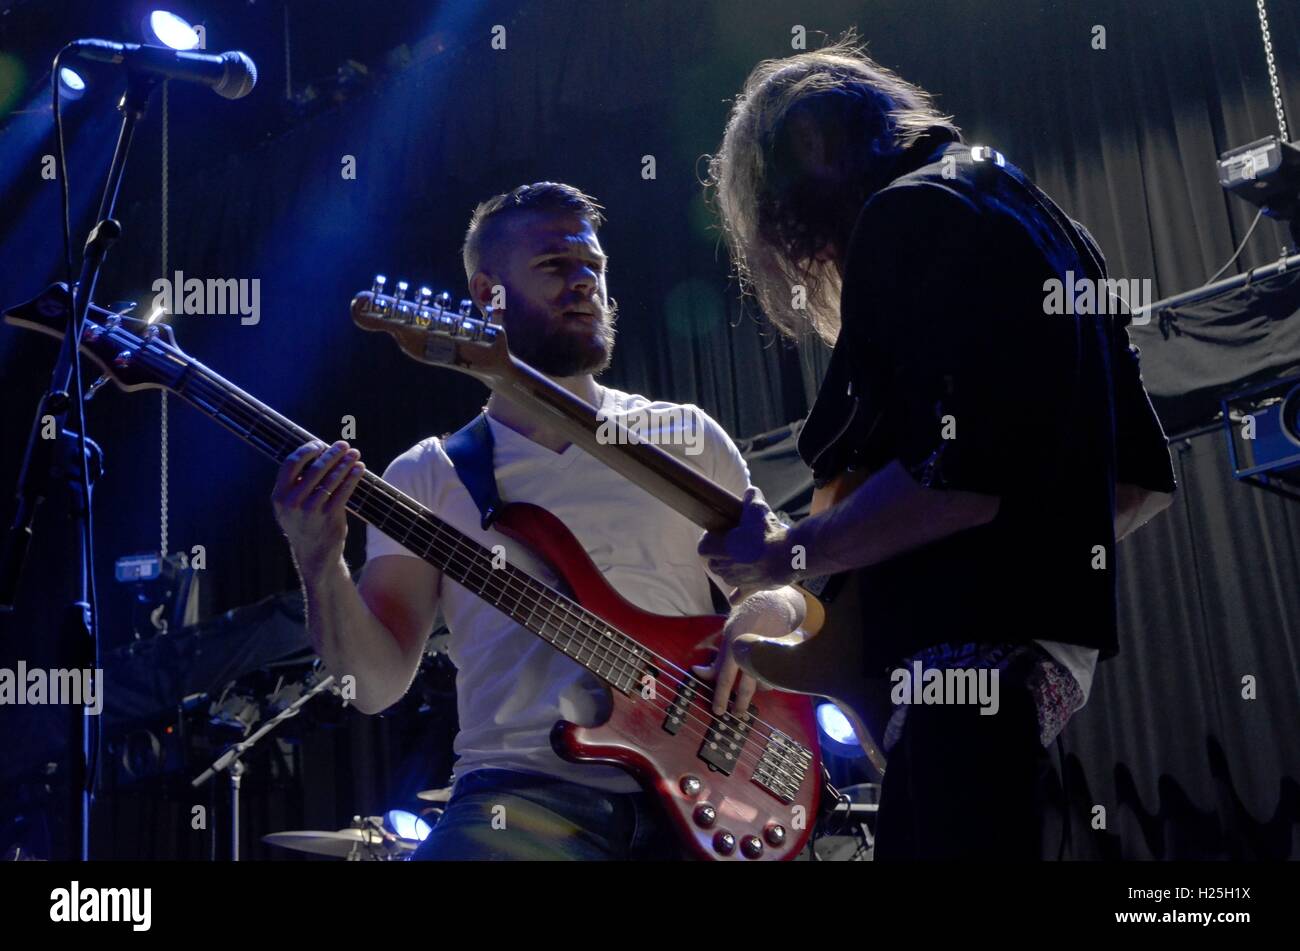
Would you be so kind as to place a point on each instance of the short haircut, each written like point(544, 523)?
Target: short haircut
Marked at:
point(485, 223)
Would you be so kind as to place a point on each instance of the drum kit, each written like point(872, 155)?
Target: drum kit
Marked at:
point(392, 837)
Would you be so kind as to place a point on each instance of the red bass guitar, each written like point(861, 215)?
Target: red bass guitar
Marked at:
point(741, 788)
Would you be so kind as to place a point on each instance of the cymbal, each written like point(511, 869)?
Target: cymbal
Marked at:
point(338, 844)
point(435, 795)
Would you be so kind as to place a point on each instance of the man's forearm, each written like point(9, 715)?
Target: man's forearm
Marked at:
point(886, 516)
point(352, 641)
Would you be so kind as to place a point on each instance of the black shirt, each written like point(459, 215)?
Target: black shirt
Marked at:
point(945, 334)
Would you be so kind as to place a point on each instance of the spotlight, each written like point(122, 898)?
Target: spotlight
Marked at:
point(406, 825)
point(1265, 173)
point(837, 731)
point(162, 26)
point(71, 85)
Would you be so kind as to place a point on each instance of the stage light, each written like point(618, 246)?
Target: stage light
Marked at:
point(162, 26)
point(407, 825)
point(71, 85)
point(836, 728)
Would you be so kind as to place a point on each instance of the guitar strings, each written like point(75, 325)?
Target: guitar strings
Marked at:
point(628, 659)
point(255, 415)
point(532, 587)
point(261, 415)
point(601, 650)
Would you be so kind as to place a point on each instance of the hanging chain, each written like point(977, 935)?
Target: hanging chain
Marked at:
point(162, 440)
point(1272, 70)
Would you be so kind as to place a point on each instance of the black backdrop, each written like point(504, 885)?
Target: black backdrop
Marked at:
point(1123, 137)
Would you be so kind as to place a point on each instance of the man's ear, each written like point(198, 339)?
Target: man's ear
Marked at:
point(480, 290)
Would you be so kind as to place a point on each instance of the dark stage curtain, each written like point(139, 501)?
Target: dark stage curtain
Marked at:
point(1187, 741)
point(1123, 137)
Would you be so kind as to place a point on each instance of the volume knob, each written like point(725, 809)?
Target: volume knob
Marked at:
point(751, 846)
point(705, 815)
point(724, 843)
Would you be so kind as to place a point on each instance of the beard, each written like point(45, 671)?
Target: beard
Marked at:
point(563, 346)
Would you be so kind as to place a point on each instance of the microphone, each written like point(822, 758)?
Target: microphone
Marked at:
point(231, 74)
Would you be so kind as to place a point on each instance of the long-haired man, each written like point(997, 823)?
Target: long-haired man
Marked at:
point(1002, 446)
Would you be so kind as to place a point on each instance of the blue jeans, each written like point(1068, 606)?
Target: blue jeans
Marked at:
point(501, 814)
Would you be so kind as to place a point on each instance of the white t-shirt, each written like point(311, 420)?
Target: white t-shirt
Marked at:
point(511, 685)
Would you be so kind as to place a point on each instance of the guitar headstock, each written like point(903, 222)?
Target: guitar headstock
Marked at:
point(429, 329)
point(134, 361)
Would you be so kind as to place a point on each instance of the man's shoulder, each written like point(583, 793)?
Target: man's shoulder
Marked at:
point(426, 457)
point(945, 192)
point(629, 406)
point(681, 429)
point(975, 187)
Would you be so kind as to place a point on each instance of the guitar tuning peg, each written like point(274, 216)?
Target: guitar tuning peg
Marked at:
point(94, 387)
point(402, 287)
point(379, 283)
point(422, 296)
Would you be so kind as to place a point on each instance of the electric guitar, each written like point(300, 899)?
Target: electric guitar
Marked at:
point(739, 788)
point(824, 658)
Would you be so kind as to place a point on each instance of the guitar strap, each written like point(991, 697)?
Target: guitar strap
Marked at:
point(470, 451)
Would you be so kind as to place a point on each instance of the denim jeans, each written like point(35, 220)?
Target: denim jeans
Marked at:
point(500, 814)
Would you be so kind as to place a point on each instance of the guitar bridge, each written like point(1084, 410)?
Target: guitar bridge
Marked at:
point(782, 767)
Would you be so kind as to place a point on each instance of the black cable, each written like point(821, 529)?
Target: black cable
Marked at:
point(63, 168)
point(1241, 247)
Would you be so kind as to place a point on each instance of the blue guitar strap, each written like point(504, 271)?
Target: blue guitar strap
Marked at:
point(470, 451)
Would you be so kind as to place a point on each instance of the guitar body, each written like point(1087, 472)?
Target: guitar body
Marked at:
point(832, 661)
point(826, 659)
point(635, 736)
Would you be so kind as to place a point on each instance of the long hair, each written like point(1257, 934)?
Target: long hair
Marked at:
point(777, 218)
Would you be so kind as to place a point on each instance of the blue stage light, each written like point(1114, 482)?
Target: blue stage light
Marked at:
point(167, 28)
point(835, 726)
point(71, 85)
point(407, 825)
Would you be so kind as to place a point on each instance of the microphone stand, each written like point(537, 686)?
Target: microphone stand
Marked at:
point(78, 636)
point(231, 759)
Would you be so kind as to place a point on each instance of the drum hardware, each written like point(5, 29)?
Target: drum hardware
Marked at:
point(231, 760)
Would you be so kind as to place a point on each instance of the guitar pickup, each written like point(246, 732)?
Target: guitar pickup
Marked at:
point(725, 739)
point(680, 708)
